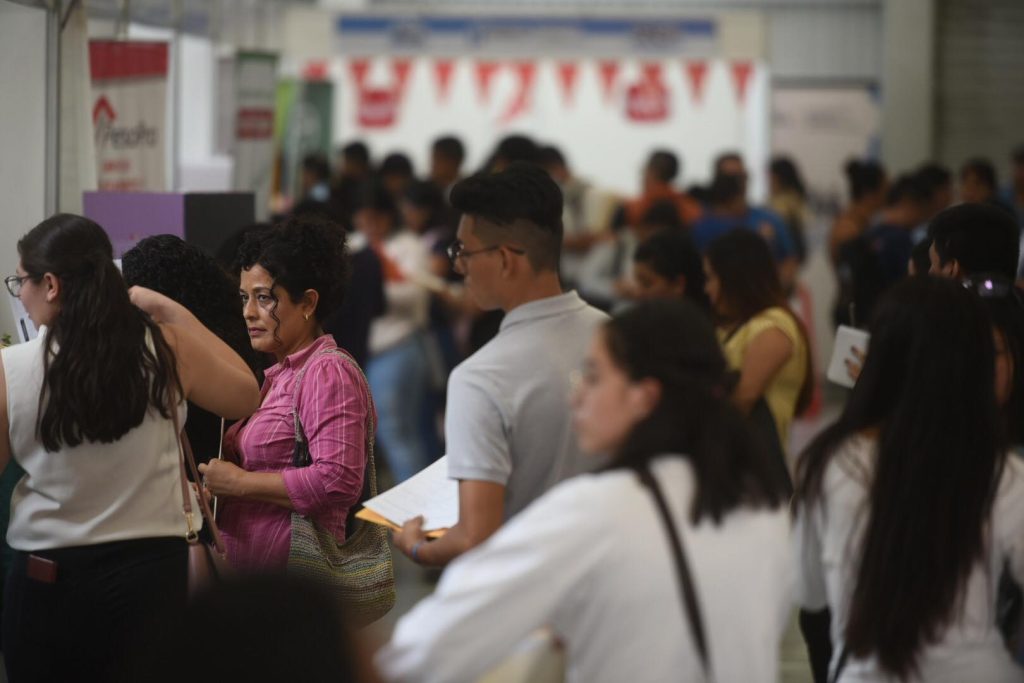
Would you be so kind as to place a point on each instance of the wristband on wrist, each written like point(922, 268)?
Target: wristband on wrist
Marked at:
point(415, 554)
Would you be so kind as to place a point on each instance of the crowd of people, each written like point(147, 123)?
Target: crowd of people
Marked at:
point(614, 382)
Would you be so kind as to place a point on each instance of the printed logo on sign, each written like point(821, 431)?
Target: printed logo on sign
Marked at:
point(119, 137)
point(647, 102)
point(255, 124)
point(377, 108)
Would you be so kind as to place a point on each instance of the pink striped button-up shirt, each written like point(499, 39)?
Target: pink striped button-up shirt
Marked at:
point(332, 406)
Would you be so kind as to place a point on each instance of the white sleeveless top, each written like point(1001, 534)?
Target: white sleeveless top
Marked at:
point(94, 492)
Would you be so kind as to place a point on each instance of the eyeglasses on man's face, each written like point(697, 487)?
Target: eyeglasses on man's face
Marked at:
point(457, 251)
point(14, 283)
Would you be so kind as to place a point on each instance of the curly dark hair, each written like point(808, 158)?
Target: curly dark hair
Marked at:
point(300, 253)
point(183, 272)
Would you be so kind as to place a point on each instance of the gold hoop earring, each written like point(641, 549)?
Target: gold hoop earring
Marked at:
point(306, 316)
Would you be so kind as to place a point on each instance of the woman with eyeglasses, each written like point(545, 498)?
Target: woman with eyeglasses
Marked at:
point(88, 409)
point(594, 558)
point(291, 276)
point(907, 507)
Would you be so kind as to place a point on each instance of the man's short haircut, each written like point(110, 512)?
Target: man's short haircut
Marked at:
point(513, 148)
point(372, 195)
point(983, 238)
point(521, 205)
point(908, 187)
point(551, 156)
point(357, 152)
point(316, 164)
point(983, 170)
point(934, 176)
point(664, 165)
point(451, 148)
point(396, 163)
point(724, 157)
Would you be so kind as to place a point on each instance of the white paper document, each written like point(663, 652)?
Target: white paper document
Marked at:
point(429, 493)
point(847, 339)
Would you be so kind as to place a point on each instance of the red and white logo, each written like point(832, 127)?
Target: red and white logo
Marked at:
point(647, 100)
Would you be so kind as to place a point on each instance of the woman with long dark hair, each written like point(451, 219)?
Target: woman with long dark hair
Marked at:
point(907, 506)
point(86, 410)
point(762, 338)
point(594, 558)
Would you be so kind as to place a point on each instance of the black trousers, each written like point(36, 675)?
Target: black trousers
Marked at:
point(109, 603)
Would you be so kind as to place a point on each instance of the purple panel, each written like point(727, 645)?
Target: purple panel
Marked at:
point(130, 216)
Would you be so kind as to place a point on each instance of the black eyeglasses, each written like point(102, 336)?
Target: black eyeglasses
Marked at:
point(14, 283)
point(457, 250)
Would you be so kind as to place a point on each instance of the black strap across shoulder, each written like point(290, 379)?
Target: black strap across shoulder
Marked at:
point(844, 655)
point(690, 601)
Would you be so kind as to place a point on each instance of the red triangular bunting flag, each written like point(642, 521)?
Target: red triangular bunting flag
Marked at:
point(400, 68)
point(608, 69)
point(741, 73)
point(443, 70)
point(360, 68)
point(567, 76)
point(526, 71)
point(485, 72)
point(696, 73)
point(652, 71)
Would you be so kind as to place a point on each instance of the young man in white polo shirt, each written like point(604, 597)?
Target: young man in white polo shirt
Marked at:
point(507, 427)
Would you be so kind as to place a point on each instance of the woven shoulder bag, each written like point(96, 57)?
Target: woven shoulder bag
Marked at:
point(358, 571)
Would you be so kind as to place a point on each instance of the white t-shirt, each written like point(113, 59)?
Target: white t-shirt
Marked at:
point(591, 558)
point(95, 492)
point(507, 418)
point(407, 301)
point(827, 540)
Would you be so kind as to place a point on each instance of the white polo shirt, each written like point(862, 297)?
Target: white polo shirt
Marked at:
point(507, 419)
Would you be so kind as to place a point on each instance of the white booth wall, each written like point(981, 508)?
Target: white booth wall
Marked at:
point(591, 129)
point(23, 54)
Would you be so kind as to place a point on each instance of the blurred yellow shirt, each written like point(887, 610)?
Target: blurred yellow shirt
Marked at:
point(783, 391)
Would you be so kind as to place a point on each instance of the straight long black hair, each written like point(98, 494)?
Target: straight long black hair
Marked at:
point(673, 343)
point(749, 281)
point(99, 376)
point(927, 386)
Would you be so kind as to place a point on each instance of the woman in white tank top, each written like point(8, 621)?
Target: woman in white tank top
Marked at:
point(96, 520)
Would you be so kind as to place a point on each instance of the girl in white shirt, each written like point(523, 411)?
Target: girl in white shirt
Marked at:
point(908, 509)
point(592, 558)
point(86, 409)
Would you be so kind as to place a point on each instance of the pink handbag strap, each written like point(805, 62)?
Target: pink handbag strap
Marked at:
point(185, 454)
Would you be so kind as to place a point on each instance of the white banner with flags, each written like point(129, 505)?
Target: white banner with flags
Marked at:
point(129, 114)
point(255, 84)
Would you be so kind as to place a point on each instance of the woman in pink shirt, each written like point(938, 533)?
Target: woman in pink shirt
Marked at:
point(292, 276)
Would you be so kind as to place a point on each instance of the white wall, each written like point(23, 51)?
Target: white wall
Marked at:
point(908, 83)
point(22, 134)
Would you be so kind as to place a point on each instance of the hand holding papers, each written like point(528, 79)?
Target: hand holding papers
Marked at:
point(429, 493)
point(851, 345)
